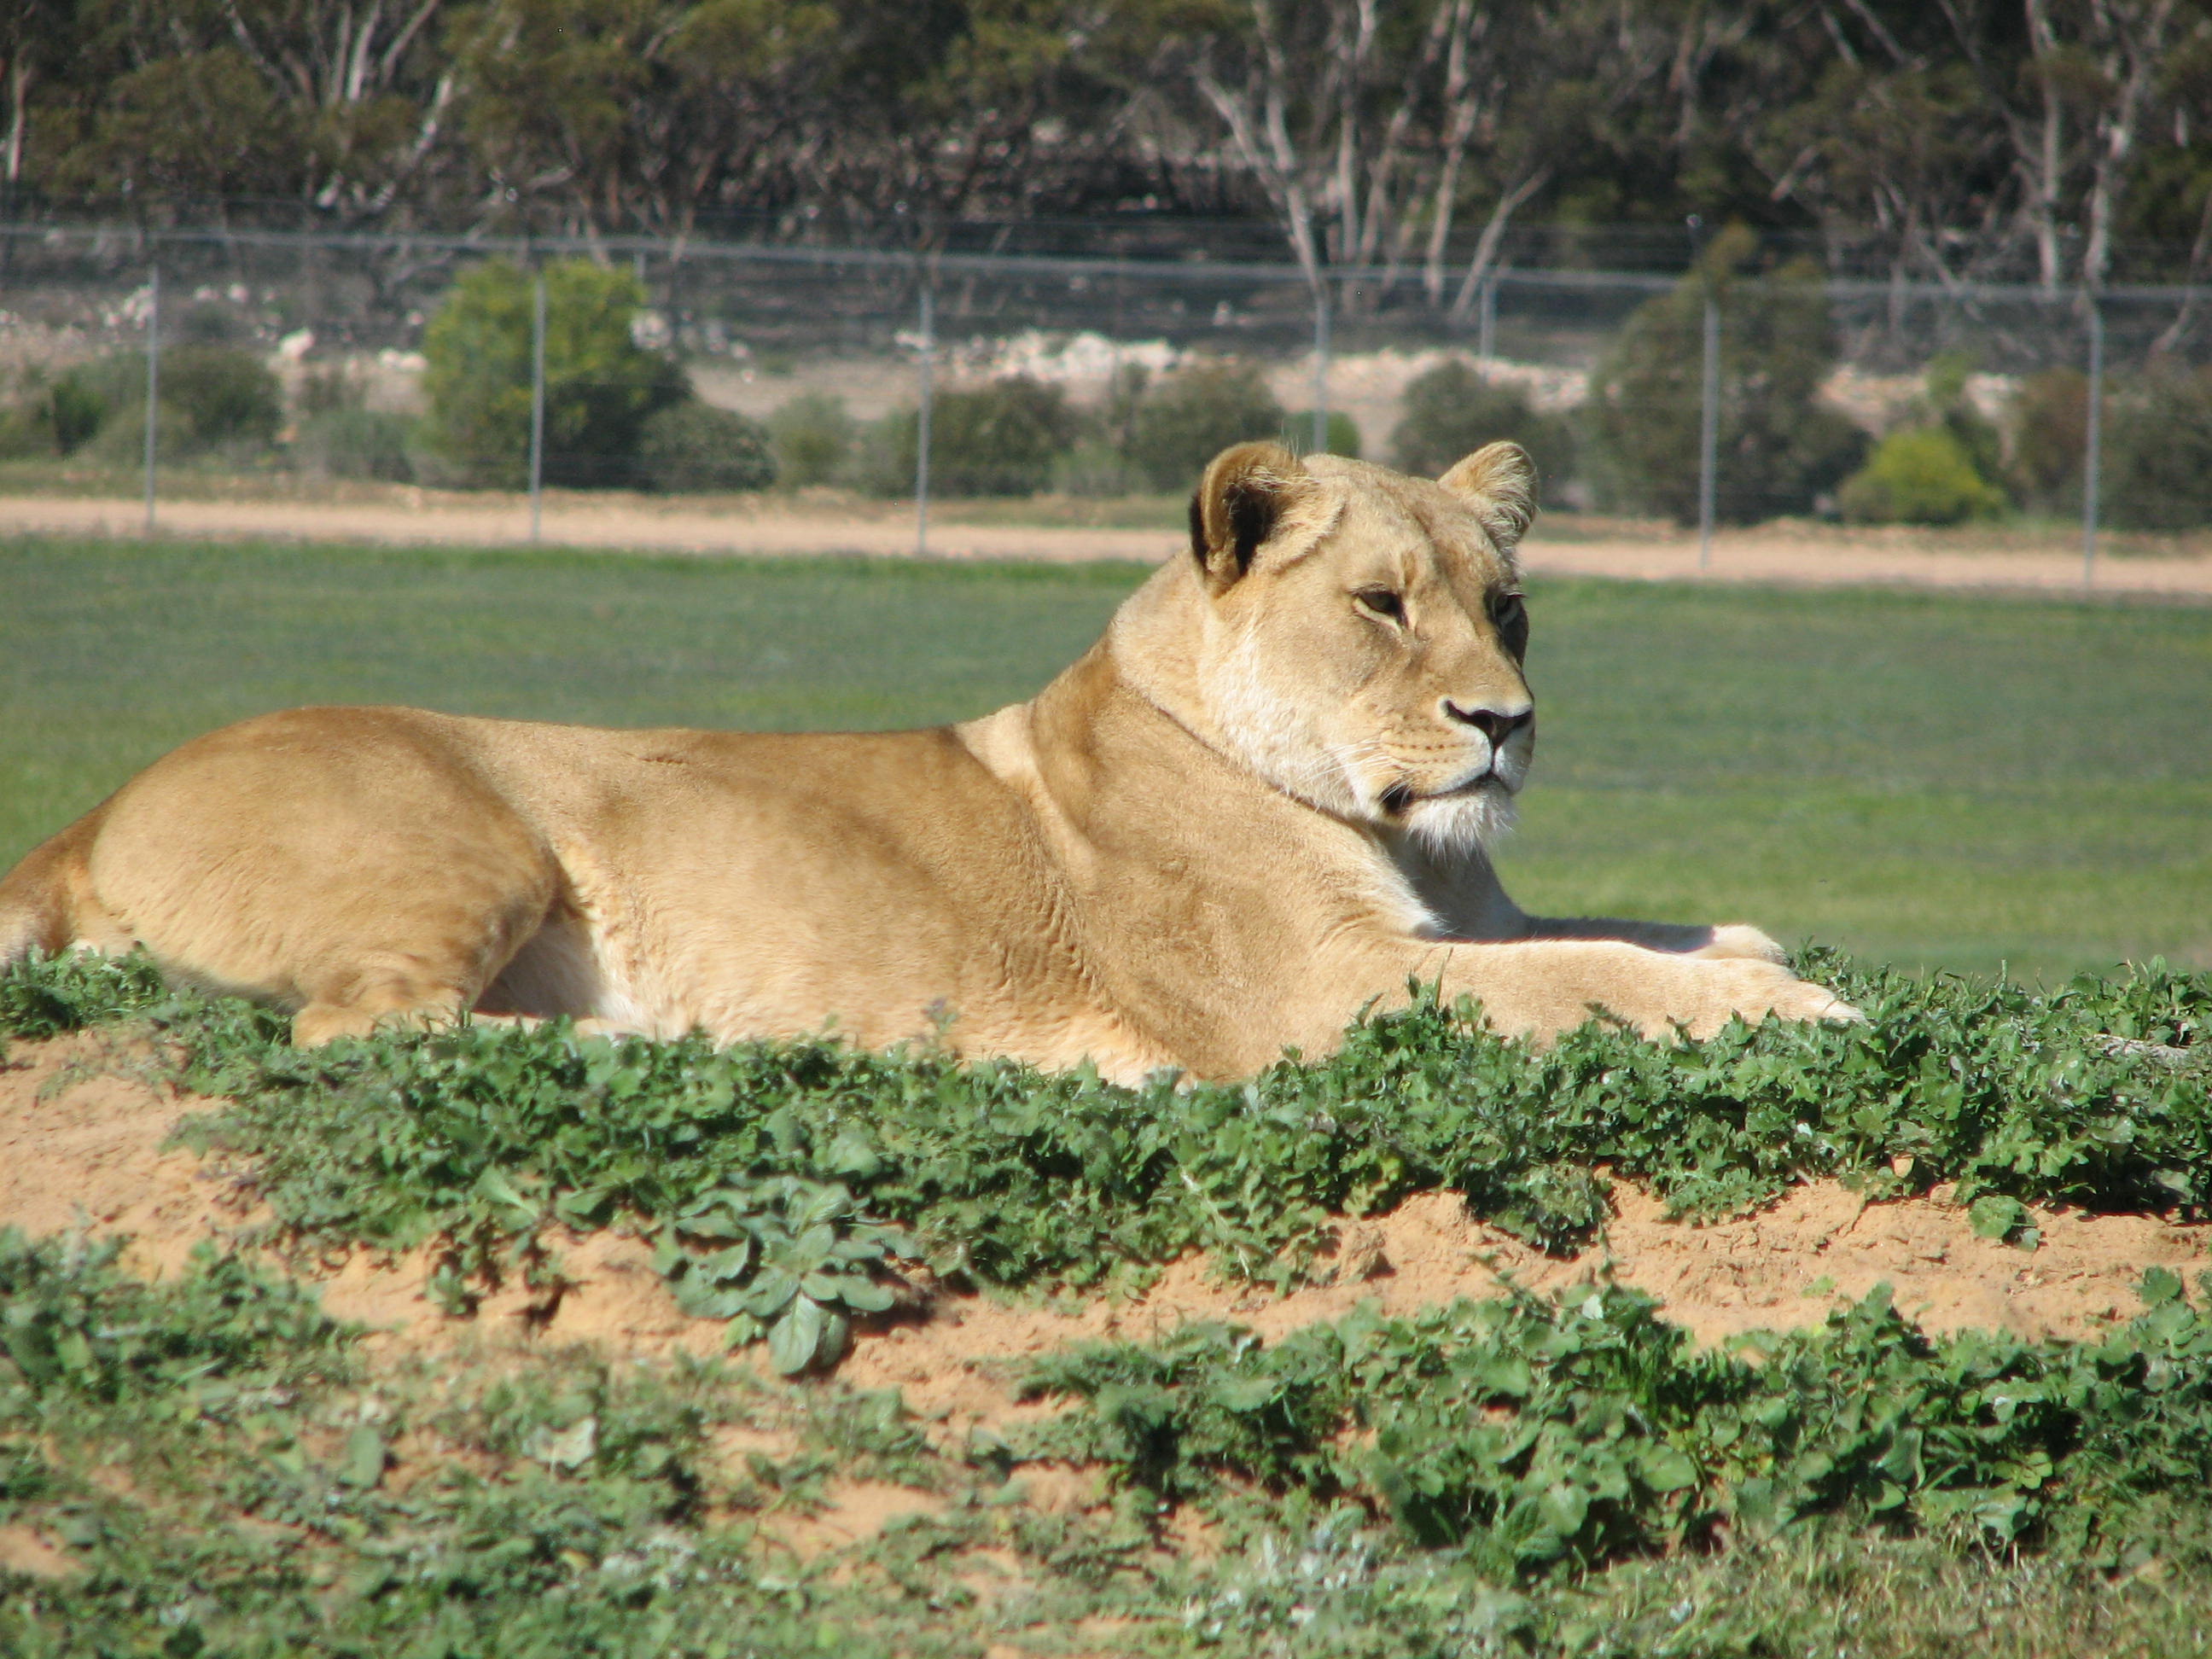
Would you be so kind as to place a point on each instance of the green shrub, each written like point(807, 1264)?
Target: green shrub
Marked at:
point(2156, 461)
point(996, 439)
point(812, 437)
point(601, 386)
point(1946, 380)
point(213, 398)
point(75, 409)
point(1921, 475)
point(2157, 455)
point(23, 435)
point(693, 447)
point(1343, 432)
point(1779, 448)
point(1537, 1435)
point(223, 397)
point(1188, 417)
point(2049, 420)
point(1452, 410)
point(354, 443)
point(1098, 468)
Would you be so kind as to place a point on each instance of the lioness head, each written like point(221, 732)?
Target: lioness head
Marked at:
point(1362, 633)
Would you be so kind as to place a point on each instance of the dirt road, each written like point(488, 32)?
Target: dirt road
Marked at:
point(1767, 554)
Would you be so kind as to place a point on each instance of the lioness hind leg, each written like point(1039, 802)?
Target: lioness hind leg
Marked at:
point(355, 865)
point(422, 963)
point(390, 1004)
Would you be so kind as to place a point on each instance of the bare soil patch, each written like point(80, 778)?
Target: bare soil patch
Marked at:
point(83, 1119)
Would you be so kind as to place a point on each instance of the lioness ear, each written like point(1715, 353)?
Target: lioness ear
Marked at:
point(1239, 501)
point(1498, 481)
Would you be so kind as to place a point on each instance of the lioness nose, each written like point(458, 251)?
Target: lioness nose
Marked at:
point(1496, 723)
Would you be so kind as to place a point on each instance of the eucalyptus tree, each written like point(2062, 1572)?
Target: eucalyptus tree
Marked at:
point(1372, 126)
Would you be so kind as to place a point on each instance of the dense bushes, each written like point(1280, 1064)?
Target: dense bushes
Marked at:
point(352, 442)
point(218, 395)
point(2158, 456)
point(2156, 460)
point(1452, 410)
point(1939, 469)
point(1017, 436)
point(72, 411)
point(1919, 475)
point(2049, 425)
point(1188, 417)
point(998, 439)
point(215, 401)
point(601, 386)
point(1780, 448)
point(812, 437)
point(696, 447)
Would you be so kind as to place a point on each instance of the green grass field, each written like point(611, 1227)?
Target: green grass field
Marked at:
point(1933, 782)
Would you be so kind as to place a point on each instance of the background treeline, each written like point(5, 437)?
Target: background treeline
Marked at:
point(621, 411)
point(2053, 140)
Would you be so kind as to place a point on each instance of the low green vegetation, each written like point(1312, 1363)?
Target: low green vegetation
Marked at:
point(1522, 1476)
point(222, 1474)
point(218, 405)
point(215, 1468)
point(486, 1137)
point(1536, 1437)
point(1931, 781)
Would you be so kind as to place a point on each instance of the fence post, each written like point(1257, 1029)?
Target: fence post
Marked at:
point(537, 403)
point(1709, 425)
point(153, 384)
point(2092, 448)
point(927, 369)
point(1320, 367)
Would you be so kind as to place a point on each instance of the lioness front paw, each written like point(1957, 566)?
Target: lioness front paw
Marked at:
point(1738, 939)
point(1754, 989)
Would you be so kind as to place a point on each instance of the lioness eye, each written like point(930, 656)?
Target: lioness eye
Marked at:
point(1510, 617)
point(1381, 602)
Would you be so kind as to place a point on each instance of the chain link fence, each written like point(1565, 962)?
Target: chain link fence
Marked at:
point(173, 363)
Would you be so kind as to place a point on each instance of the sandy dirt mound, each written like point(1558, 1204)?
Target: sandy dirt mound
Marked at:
point(81, 1123)
point(82, 1120)
point(1781, 1269)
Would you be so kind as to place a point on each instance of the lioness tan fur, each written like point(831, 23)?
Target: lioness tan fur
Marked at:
point(1256, 806)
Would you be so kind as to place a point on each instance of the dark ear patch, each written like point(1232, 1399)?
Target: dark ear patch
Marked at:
point(1239, 502)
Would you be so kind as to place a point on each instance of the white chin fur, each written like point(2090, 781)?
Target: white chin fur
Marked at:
point(1460, 824)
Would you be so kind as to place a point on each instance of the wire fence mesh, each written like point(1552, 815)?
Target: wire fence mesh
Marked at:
point(180, 361)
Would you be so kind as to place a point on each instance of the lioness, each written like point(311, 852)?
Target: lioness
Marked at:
point(1254, 808)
